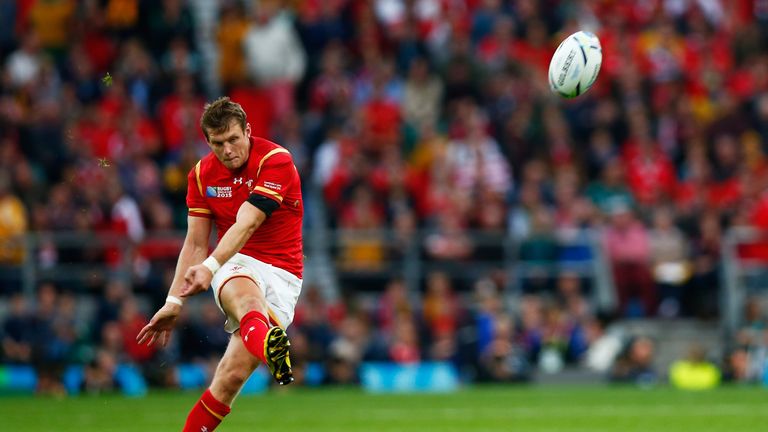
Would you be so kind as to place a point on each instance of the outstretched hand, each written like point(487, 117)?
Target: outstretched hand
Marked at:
point(196, 280)
point(160, 326)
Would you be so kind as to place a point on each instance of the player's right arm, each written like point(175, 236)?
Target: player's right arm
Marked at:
point(195, 249)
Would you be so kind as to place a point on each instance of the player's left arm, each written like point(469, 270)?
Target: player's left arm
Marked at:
point(249, 219)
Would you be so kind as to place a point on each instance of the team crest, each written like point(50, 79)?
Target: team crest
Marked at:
point(218, 191)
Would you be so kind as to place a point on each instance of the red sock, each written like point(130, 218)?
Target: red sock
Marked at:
point(253, 330)
point(206, 414)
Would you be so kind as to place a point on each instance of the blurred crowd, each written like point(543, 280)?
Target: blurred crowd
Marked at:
point(482, 337)
point(406, 115)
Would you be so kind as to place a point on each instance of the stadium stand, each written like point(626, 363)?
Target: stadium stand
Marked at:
point(457, 211)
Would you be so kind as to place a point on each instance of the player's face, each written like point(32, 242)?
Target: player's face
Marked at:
point(231, 145)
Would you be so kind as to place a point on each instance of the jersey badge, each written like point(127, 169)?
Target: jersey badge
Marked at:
point(218, 191)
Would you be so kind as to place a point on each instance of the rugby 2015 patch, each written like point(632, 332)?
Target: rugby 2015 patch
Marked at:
point(218, 191)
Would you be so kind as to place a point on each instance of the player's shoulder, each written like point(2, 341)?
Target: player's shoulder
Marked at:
point(266, 146)
point(270, 152)
point(206, 166)
point(209, 161)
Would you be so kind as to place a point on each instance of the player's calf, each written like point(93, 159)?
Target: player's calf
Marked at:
point(270, 345)
point(206, 414)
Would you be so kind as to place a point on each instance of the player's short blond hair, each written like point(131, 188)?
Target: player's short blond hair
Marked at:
point(218, 114)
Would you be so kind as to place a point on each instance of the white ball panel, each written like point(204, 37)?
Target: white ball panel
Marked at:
point(575, 65)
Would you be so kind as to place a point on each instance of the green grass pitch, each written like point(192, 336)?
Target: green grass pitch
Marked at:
point(495, 408)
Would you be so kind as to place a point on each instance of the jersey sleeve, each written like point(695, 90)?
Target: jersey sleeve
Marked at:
point(274, 176)
point(195, 199)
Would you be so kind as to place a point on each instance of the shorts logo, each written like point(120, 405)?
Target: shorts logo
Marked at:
point(273, 186)
point(218, 191)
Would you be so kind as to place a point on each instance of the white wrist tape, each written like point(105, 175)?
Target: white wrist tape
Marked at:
point(174, 300)
point(212, 264)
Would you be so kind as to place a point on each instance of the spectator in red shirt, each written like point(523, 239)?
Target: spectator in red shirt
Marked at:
point(332, 89)
point(692, 192)
point(404, 346)
point(179, 113)
point(627, 246)
point(131, 321)
point(494, 50)
point(441, 307)
point(534, 50)
point(650, 174)
point(475, 160)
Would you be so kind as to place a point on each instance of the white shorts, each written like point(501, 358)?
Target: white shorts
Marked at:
point(281, 288)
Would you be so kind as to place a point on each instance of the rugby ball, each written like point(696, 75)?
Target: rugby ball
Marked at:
point(575, 64)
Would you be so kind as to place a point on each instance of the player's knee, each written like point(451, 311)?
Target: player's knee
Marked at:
point(252, 302)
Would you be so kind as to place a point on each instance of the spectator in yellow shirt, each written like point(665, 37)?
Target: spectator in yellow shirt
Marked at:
point(13, 224)
point(233, 26)
point(694, 372)
point(52, 21)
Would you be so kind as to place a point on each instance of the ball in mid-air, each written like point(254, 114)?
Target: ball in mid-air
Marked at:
point(575, 64)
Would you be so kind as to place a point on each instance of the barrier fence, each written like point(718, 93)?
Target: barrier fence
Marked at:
point(344, 260)
point(348, 260)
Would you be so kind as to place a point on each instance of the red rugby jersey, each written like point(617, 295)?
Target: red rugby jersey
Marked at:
point(214, 191)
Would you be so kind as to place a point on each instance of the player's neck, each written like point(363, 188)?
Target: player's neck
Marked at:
point(240, 168)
